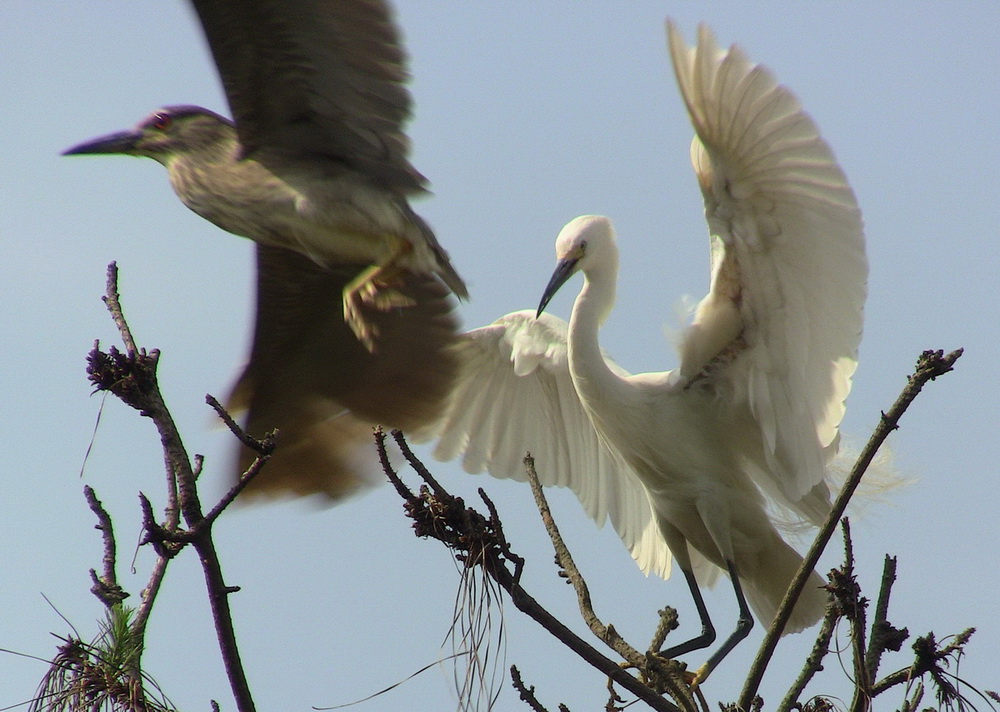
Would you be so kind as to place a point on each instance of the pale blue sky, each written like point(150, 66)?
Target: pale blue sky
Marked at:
point(526, 116)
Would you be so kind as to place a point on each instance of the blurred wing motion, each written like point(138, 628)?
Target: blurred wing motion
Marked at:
point(318, 94)
point(320, 77)
point(780, 327)
point(515, 395)
point(312, 379)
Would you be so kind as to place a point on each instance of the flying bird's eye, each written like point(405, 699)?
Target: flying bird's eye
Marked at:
point(161, 122)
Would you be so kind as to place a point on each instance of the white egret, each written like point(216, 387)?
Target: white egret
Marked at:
point(697, 461)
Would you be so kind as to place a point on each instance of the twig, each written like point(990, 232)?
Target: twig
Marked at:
point(883, 635)
point(106, 586)
point(401, 489)
point(605, 633)
point(930, 365)
point(416, 464)
point(526, 694)
point(814, 663)
point(245, 479)
point(929, 657)
point(113, 302)
point(853, 606)
point(667, 624)
point(263, 447)
point(650, 664)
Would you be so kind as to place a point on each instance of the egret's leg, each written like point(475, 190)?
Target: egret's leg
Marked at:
point(707, 636)
point(370, 287)
point(743, 626)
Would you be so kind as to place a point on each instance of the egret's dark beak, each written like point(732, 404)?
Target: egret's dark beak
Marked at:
point(565, 269)
point(120, 142)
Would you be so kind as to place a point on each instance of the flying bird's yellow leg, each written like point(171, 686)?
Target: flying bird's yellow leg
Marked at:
point(374, 286)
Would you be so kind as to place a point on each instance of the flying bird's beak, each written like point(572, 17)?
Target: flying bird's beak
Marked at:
point(565, 269)
point(120, 142)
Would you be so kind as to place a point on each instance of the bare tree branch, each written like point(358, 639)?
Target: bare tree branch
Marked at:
point(446, 518)
point(930, 365)
point(660, 676)
point(132, 378)
point(883, 635)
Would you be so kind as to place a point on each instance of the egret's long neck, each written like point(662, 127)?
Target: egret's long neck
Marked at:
point(595, 382)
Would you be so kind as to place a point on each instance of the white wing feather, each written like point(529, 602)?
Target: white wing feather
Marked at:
point(787, 253)
point(516, 395)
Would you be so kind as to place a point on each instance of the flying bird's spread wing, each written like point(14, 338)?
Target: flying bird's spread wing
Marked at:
point(312, 379)
point(321, 77)
point(515, 395)
point(781, 324)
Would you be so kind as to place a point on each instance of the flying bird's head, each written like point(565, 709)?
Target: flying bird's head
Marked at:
point(166, 133)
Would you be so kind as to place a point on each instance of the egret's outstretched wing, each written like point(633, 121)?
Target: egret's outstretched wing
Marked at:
point(782, 322)
point(515, 395)
point(320, 77)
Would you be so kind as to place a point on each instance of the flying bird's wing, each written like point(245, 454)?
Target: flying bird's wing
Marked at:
point(780, 327)
point(515, 395)
point(322, 77)
point(312, 379)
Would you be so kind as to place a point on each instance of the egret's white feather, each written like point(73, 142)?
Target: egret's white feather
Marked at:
point(783, 213)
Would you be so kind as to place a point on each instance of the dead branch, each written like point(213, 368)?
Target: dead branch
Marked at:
point(526, 694)
point(655, 673)
point(132, 378)
point(930, 365)
point(442, 516)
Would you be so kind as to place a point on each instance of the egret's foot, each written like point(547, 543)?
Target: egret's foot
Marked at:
point(697, 677)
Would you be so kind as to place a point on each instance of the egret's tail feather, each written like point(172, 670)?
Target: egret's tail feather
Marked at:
point(765, 585)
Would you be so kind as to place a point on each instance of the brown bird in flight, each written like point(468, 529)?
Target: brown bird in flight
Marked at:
point(354, 320)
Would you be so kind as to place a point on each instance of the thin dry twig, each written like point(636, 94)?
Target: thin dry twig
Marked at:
point(930, 365)
point(106, 586)
point(814, 662)
point(668, 623)
point(884, 636)
point(930, 657)
point(526, 694)
point(658, 676)
point(853, 606)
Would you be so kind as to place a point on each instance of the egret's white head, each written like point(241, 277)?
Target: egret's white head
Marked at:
point(584, 243)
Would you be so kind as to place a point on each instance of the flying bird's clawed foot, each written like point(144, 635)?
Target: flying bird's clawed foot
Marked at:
point(364, 329)
point(356, 320)
point(384, 297)
point(374, 288)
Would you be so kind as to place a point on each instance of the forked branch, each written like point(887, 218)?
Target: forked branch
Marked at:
point(438, 514)
point(131, 376)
